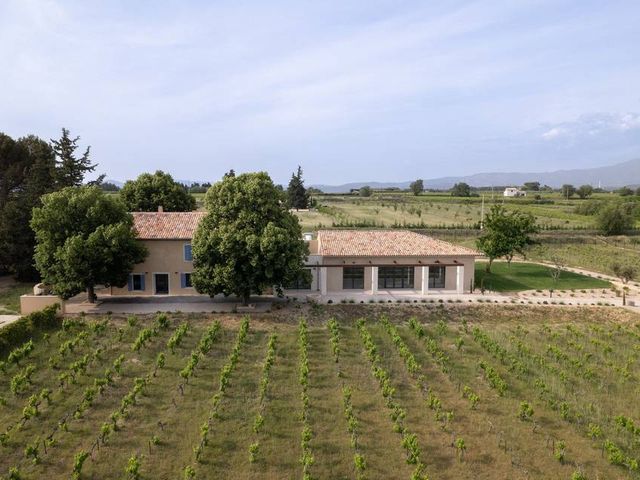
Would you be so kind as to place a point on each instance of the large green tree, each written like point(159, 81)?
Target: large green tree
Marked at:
point(568, 190)
point(30, 169)
point(297, 195)
point(84, 238)
point(461, 189)
point(248, 241)
point(150, 191)
point(417, 187)
point(505, 233)
point(71, 168)
point(584, 191)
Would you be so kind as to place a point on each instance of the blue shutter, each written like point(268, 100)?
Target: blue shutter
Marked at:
point(142, 282)
point(130, 282)
point(187, 252)
point(183, 280)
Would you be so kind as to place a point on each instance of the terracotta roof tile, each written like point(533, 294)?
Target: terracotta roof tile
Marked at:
point(166, 225)
point(385, 243)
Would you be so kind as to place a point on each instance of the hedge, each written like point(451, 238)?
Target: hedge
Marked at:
point(25, 327)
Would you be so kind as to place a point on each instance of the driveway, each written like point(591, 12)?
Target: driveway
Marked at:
point(7, 319)
point(158, 303)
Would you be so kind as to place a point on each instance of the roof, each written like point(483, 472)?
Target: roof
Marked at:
point(385, 243)
point(166, 225)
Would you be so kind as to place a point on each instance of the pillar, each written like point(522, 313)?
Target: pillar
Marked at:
point(460, 279)
point(323, 280)
point(374, 280)
point(425, 280)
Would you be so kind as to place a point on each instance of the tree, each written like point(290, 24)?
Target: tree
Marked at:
point(109, 187)
point(297, 195)
point(84, 238)
point(568, 190)
point(29, 164)
point(614, 219)
point(365, 191)
point(248, 241)
point(417, 187)
point(625, 273)
point(531, 186)
point(558, 267)
point(506, 233)
point(584, 191)
point(625, 192)
point(637, 193)
point(71, 169)
point(461, 190)
point(150, 191)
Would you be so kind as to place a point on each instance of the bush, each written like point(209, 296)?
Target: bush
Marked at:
point(614, 219)
point(24, 328)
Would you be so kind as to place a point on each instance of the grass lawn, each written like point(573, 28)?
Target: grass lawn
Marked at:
point(432, 367)
point(530, 276)
point(10, 297)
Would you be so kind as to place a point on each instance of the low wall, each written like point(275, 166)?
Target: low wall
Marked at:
point(34, 303)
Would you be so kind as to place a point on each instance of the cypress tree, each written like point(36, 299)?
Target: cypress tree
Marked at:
point(296, 193)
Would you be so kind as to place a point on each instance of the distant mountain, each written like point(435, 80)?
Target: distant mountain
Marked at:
point(612, 176)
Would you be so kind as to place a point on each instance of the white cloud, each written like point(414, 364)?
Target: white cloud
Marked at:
point(593, 125)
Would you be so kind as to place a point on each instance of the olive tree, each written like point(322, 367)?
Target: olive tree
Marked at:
point(248, 241)
point(614, 219)
point(84, 238)
point(625, 273)
point(505, 234)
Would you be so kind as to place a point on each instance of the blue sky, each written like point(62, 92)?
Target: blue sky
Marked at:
point(352, 91)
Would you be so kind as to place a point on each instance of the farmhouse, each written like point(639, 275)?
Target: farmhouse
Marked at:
point(514, 192)
point(366, 261)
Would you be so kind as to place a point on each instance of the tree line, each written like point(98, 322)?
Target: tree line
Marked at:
point(29, 168)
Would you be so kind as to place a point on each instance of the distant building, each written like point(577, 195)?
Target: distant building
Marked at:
point(514, 192)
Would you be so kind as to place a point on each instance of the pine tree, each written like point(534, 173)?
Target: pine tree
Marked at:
point(70, 169)
point(37, 177)
point(296, 193)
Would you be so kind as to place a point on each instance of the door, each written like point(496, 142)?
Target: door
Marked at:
point(161, 283)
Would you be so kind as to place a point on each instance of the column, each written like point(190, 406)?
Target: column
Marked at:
point(425, 280)
point(374, 280)
point(460, 279)
point(323, 280)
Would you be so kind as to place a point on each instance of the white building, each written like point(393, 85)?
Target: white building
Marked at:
point(514, 192)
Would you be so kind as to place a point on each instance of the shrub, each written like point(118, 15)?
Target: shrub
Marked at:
point(24, 328)
point(525, 412)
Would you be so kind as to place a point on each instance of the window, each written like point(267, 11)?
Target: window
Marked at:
point(395, 277)
point(436, 277)
point(185, 280)
point(303, 282)
point(188, 257)
point(136, 282)
point(353, 278)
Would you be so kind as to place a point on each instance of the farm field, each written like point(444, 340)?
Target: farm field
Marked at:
point(342, 393)
point(438, 210)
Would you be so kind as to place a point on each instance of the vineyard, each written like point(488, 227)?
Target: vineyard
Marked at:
point(362, 393)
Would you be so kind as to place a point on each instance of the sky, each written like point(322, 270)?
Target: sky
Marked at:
point(370, 90)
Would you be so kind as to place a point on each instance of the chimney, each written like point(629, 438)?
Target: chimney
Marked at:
point(160, 209)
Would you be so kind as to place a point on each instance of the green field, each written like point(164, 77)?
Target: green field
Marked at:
point(438, 391)
point(401, 209)
point(530, 276)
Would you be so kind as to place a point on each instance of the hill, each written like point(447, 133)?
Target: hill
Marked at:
point(612, 176)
